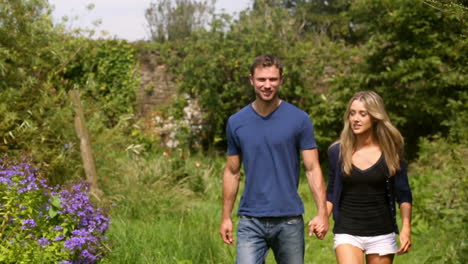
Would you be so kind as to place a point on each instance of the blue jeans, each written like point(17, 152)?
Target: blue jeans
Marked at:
point(284, 235)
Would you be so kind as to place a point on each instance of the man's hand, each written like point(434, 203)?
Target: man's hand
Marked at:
point(225, 230)
point(318, 226)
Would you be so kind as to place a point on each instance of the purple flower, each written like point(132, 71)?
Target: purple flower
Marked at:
point(87, 255)
point(5, 180)
point(59, 237)
point(74, 210)
point(75, 243)
point(43, 242)
point(80, 232)
point(28, 223)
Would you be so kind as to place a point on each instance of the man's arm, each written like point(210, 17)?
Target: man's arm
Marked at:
point(231, 178)
point(318, 225)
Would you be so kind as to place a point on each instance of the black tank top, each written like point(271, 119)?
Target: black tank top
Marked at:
point(364, 209)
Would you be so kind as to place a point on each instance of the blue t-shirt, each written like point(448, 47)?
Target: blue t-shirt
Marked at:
point(270, 150)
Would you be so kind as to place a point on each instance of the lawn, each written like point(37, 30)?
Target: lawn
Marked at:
point(167, 210)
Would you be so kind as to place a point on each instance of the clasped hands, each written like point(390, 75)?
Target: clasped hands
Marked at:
point(318, 226)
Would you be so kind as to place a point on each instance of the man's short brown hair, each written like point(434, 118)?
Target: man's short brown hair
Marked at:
point(266, 61)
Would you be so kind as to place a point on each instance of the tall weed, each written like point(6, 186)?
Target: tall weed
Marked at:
point(167, 208)
point(440, 187)
point(159, 215)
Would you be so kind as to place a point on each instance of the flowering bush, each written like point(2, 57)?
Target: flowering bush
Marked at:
point(42, 224)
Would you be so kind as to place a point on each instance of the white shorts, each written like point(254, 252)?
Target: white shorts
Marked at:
point(382, 245)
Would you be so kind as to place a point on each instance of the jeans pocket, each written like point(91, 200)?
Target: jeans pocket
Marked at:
point(246, 217)
point(294, 220)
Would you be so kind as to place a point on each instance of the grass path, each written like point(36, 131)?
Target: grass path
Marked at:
point(161, 217)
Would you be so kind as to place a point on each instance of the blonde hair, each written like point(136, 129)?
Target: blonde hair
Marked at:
point(385, 134)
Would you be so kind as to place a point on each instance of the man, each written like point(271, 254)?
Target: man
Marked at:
point(266, 137)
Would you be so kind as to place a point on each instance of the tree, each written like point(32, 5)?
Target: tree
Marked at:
point(24, 26)
point(213, 65)
point(416, 59)
point(315, 16)
point(168, 22)
point(290, 4)
point(39, 63)
point(33, 111)
point(413, 55)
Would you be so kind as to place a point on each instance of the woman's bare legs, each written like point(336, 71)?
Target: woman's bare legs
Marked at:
point(377, 259)
point(348, 254)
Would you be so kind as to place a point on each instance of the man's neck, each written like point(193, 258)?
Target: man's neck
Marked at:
point(264, 108)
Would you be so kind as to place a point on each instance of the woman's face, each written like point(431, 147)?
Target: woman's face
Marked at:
point(359, 119)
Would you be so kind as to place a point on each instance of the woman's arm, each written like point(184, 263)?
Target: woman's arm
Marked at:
point(404, 198)
point(333, 158)
point(405, 233)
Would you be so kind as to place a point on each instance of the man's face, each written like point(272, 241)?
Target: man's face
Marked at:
point(266, 82)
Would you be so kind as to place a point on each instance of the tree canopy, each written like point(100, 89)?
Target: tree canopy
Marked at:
point(413, 55)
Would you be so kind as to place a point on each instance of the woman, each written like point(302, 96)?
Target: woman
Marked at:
point(367, 175)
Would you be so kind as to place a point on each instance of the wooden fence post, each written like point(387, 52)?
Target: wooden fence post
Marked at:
point(85, 143)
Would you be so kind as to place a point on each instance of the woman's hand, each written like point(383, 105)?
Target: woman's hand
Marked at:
point(405, 241)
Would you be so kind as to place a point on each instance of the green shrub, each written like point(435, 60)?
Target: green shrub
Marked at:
point(105, 73)
point(439, 184)
point(39, 62)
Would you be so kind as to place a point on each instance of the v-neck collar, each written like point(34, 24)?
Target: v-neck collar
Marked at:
point(370, 167)
point(270, 114)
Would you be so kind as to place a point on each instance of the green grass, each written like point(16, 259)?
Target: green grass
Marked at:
point(167, 210)
point(178, 239)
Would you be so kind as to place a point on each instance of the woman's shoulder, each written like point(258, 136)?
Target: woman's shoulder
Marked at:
point(334, 149)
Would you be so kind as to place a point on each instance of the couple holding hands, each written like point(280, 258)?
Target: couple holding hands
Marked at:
point(367, 175)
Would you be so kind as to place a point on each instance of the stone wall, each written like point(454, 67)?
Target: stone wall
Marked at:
point(157, 90)
point(156, 85)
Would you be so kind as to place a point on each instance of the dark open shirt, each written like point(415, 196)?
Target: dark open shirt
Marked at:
point(364, 210)
point(396, 187)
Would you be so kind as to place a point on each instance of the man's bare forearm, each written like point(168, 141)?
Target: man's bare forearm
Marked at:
point(230, 189)
point(317, 187)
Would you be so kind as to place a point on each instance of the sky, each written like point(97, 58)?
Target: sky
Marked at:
point(123, 19)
